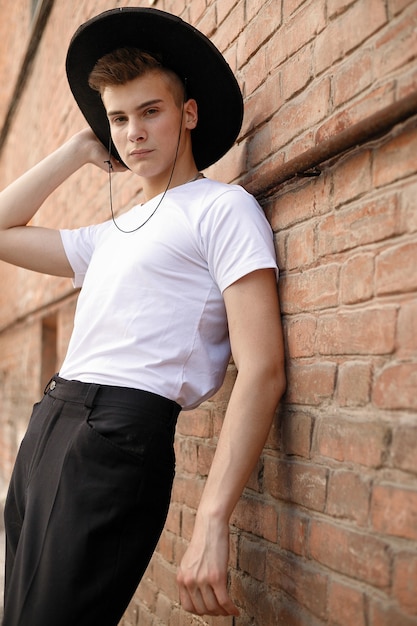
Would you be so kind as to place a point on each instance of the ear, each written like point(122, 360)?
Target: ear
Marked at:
point(190, 113)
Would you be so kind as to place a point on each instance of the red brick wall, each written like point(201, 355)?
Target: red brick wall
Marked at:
point(326, 532)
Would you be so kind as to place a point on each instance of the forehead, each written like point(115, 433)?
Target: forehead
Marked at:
point(150, 86)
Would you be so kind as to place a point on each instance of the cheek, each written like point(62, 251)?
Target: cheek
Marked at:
point(116, 136)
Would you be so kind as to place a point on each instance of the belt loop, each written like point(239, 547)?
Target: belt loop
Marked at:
point(91, 394)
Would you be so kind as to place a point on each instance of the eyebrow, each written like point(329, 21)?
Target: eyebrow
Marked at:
point(144, 105)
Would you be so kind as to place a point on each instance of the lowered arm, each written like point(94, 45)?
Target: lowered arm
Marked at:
point(257, 347)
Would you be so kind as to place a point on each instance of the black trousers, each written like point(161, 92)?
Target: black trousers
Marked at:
point(86, 504)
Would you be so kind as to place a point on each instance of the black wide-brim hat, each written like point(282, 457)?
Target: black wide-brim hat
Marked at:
point(180, 47)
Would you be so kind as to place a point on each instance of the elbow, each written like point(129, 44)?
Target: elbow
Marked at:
point(270, 379)
point(278, 381)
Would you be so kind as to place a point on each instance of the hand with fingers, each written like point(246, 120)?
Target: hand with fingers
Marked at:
point(202, 575)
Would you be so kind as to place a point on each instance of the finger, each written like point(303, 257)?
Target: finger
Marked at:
point(224, 601)
point(187, 602)
point(211, 604)
point(204, 601)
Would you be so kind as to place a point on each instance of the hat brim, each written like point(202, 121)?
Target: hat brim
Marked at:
point(182, 48)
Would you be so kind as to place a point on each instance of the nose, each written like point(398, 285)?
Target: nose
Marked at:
point(135, 131)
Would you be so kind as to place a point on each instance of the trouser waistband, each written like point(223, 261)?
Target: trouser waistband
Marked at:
point(92, 394)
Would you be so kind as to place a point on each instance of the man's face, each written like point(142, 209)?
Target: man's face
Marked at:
point(145, 124)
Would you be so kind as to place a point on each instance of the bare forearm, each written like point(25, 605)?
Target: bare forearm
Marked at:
point(202, 575)
point(244, 432)
point(20, 201)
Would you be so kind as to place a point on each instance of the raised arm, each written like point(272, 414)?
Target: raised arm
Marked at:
point(257, 347)
point(40, 249)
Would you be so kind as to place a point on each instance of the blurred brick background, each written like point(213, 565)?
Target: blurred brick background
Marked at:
point(326, 531)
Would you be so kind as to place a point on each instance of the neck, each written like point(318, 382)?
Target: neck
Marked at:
point(153, 187)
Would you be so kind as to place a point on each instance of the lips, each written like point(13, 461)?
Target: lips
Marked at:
point(140, 153)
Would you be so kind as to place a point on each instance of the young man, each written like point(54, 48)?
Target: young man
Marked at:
point(167, 290)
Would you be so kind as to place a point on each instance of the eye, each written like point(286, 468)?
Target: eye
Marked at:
point(118, 119)
point(151, 111)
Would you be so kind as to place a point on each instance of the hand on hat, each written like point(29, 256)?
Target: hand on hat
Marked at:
point(91, 150)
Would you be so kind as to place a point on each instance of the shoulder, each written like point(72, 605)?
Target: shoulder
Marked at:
point(218, 190)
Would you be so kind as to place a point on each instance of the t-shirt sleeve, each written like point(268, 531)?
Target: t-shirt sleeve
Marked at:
point(79, 245)
point(237, 238)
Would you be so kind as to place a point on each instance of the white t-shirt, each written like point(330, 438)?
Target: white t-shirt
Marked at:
point(150, 314)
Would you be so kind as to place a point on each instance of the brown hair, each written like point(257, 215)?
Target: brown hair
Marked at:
point(125, 64)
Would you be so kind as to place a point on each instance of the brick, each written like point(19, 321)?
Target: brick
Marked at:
point(352, 177)
point(291, 6)
point(257, 605)
point(307, 109)
point(165, 578)
point(166, 546)
point(369, 331)
point(262, 26)
point(255, 70)
point(357, 110)
point(309, 199)
point(301, 144)
point(186, 450)
point(303, 26)
point(300, 247)
point(355, 75)
point(348, 496)
point(357, 279)
point(363, 223)
point(173, 521)
point(310, 384)
point(396, 6)
point(296, 72)
point(205, 456)
point(396, 159)
point(303, 583)
point(232, 26)
point(405, 581)
point(256, 517)
point(395, 386)
point(311, 290)
point(293, 531)
point(354, 383)
point(163, 608)
point(300, 483)
point(255, 480)
point(407, 82)
point(395, 269)
point(407, 330)
point(362, 442)
point(336, 7)
point(348, 30)
point(260, 145)
point(387, 614)
point(196, 423)
point(300, 335)
point(291, 614)
point(404, 446)
point(296, 433)
point(187, 490)
point(358, 555)
point(408, 212)
point(252, 558)
point(347, 605)
point(397, 46)
point(187, 522)
point(394, 511)
point(273, 441)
